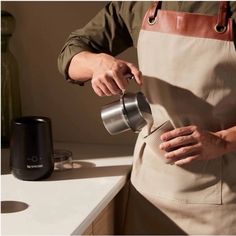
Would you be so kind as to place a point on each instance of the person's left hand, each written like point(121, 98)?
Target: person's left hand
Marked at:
point(186, 144)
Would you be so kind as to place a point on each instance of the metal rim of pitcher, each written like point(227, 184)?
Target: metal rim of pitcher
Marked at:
point(126, 112)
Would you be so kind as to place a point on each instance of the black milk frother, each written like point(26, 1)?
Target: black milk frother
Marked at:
point(31, 148)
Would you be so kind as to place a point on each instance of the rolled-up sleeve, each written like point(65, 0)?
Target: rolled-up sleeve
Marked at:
point(106, 33)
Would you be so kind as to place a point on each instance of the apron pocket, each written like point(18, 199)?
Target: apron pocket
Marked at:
point(196, 183)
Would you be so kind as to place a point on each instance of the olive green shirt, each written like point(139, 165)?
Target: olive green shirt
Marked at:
point(116, 27)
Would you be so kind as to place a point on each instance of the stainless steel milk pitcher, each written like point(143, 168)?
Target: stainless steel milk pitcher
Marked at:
point(131, 112)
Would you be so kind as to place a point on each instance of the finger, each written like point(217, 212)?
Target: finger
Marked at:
point(98, 91)
point(104, 88)
point(177, 132)
point(120, 79)
point(183, 152)
point(111, 85)
point(177, 142)
point(186, 160)
point(118, 72)
point(136, 72)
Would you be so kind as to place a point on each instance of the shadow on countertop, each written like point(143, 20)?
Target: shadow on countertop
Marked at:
point(81, 152)
point(85, 170)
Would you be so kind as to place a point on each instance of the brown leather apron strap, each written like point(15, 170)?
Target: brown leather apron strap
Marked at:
point(153, 12)
point(222, 19)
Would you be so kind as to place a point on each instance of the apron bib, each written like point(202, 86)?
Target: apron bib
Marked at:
point(188, 63)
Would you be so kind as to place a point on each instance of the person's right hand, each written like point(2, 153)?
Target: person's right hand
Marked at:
point(110, 75)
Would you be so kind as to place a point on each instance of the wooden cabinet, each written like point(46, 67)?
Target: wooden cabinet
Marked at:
point(89, 230)
point(104, 223)
point(110, 221)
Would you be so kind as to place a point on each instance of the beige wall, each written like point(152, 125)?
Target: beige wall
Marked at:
point(41, 30)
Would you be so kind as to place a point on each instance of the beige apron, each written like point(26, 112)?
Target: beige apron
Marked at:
point(189, 67)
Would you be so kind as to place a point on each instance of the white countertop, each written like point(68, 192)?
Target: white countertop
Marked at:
point(68, 201)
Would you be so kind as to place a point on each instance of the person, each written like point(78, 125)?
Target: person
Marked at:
point(187, 71)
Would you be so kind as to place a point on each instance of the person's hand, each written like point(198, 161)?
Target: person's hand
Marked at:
point(110, 75)
point(186, 144)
